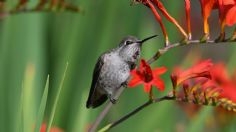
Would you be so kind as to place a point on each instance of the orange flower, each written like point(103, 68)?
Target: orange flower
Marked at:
point(207, 6)
point(145, 75)
point(201, 69)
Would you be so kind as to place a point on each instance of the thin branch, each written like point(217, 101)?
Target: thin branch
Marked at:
point(156, 100)
point(157, 55)
point(105, 111)
point(149, 102)
point(183, 43)
point(21, 7)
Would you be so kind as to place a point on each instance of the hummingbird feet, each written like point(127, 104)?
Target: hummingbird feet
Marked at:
point(124, 84)
point(113, 101)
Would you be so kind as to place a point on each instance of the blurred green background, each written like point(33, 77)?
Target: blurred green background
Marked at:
point(33, 45)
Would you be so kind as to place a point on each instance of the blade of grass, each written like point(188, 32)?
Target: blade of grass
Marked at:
point(42, 106)
point(82, 116)
point(56, 100)
point(19, 116)
point(28, 98)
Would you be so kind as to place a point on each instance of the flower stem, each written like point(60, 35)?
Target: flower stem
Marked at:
point(151, 94)
point(135, 111)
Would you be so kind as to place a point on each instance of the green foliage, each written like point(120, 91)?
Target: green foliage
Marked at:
point(55, 102)
point(42, 107)
point(46, 41)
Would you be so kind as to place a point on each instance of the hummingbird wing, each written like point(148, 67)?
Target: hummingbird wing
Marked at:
point(95, 98)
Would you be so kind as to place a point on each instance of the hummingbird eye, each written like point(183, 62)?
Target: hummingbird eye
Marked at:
point(128, 42)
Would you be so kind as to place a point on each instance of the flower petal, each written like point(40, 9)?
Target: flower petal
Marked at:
point(134, 82)
point(159, 84)
point(133, 72)
point(231, 16)
point(159, 71)
point(201, 69)
point(187, 11)
point(158, 18)
point(169, 17)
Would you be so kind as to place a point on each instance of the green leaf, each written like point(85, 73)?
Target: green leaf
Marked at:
point(42, 107)
point(81, 115)
point(56, 100)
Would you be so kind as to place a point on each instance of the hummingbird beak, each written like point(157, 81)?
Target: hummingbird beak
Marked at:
point(144, 40)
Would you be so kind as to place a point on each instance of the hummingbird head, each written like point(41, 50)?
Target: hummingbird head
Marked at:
point(130, 47)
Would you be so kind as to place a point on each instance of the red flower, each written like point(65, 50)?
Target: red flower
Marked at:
point(231, 16)
point(168, 16)
point(207, 6)
point(53, 129)
point(219, 73)
point(221, 78)
point(201, 69)
point(151, 4)
point(158, 18)
point(209, 84)
point(145, 75)
point(227, 12)
point(229, 91)
point(187, 11)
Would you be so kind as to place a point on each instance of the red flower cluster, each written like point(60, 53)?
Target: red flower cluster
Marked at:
point(145, 75)
point(223, 80)
point(199, 70)
point(227, 13)
point(226, 9)
point(205, 80)
point(158, 4)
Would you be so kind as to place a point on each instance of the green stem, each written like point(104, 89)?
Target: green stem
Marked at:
point(135, 111)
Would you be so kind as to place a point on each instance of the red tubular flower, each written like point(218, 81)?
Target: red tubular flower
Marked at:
point(209, 84)
point(219, 73)
point(229, 92)
point(160, 6)
point(158, 18)
point(169, 17)
point(145, 75)
point(231, 16)
point(222, 79)
point(187, 11)
point(201, 69)
point(227, 12)
point(207, 6)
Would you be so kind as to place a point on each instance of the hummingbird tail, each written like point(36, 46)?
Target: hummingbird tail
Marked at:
point(96, 101)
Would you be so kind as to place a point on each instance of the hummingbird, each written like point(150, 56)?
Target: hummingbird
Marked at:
point(112, 70)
